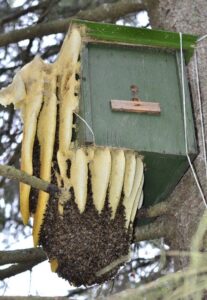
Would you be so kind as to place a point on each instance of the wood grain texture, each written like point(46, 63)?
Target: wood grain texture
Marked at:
point(108, 73)
point(151, 108)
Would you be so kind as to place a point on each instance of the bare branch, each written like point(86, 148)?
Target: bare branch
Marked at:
point(22, 260)
point(113, 11)
point(101, 13)
point(17, 269)
point(37, 183)
point(45, 12)
point(32, 298)
point(18, 13)
point(154, 230)
point(21, 256)
point(156, 210)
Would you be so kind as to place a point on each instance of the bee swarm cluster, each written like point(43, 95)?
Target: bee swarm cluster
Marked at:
point(87, 232)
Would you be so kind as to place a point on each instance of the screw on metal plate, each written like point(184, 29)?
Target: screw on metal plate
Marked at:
point(136, 105)
point(134, 93)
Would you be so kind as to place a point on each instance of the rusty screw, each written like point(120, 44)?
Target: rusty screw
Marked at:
point(134, 92)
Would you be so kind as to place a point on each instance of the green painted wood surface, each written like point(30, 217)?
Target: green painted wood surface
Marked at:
point(107, 73)
point(138, 36)
point(162, 173)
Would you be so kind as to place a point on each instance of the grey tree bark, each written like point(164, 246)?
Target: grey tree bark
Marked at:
point(187, 16)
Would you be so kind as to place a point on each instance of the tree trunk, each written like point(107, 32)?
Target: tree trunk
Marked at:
point(187, 16)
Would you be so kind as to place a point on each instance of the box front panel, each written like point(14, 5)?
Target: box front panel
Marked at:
point(108, 73)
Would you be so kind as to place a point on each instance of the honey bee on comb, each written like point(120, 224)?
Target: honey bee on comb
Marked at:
point(87, 231)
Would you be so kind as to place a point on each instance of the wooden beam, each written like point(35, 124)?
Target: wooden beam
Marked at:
point(136, 106)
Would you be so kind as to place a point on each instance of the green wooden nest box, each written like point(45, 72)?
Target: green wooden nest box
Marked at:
point(112, 96)
point(129, 64)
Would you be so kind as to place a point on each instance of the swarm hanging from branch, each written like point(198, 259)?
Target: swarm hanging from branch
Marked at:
point(87, 231)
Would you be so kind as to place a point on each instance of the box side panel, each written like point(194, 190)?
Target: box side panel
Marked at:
point(85, 109)
point(162, 173)
point(186, 100)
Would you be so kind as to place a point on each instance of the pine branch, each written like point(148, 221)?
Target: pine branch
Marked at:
point(111, 11)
